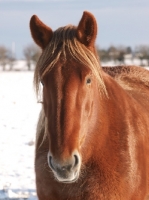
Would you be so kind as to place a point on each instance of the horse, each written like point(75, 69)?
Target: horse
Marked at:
point(92, 139)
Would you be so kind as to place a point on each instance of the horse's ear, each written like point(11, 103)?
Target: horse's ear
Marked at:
point(41, 33)
point(87, 29)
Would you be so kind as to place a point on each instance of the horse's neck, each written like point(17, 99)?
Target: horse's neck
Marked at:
point(115, 118)
point(123, 123)
point(118, 101)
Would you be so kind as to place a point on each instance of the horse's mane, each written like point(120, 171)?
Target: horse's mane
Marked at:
point(129, 77)
point(64, 42)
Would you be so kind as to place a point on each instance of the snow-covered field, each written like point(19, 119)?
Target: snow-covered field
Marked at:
point(18, 117)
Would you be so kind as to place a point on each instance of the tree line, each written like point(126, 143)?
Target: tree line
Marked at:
point(31, 54)
point(117, 54)
point(121, 53)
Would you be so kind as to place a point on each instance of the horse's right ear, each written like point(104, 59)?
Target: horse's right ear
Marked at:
point(41, 33)
point(87, 29)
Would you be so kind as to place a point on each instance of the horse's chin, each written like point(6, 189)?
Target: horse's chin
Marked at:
point(67, 180)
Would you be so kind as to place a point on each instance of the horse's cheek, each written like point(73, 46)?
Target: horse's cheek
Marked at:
point(45, 101)
point(88, 106)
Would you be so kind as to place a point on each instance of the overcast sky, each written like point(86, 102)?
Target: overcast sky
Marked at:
point(120, 22)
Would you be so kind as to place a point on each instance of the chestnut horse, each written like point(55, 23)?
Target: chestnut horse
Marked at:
point(92, 138)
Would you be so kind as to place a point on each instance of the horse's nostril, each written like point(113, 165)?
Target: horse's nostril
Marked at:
point(50, 162)
point(76, 160)
point(63, 168)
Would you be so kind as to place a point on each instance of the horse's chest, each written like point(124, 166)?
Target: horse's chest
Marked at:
point(88, 189)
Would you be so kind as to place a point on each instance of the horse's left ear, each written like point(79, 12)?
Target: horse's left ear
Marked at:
point(41, 33)
point(87, 29)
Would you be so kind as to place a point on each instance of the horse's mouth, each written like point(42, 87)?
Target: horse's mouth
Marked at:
point(69, 179)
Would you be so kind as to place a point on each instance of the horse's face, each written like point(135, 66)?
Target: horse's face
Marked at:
point(68, 103)
point(68, 94)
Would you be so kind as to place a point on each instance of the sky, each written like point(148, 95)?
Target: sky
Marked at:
point(120, 22)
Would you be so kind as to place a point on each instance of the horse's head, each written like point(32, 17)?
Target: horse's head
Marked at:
point(67, 71)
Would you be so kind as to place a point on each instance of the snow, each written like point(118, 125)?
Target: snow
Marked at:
point(128, 61)
point(18, 65)
point(18, 116)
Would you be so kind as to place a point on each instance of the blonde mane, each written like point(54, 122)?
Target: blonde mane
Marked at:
point(64, 39)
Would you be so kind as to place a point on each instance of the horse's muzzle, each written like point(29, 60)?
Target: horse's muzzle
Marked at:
point(65, 171)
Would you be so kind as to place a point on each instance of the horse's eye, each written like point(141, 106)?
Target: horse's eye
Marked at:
point(88, 81)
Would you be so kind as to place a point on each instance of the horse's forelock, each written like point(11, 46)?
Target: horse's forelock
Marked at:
point(65, 39)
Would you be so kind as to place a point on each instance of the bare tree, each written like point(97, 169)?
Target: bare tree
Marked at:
point(11, 59)
point(122, 51)
point(113, 53)
point(31, 53)
point(129, 50)
point(142, 52)
point(4, 57)
point(103, 54)
point(118, 53)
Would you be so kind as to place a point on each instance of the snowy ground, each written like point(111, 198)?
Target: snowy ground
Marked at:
point(18, 117)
